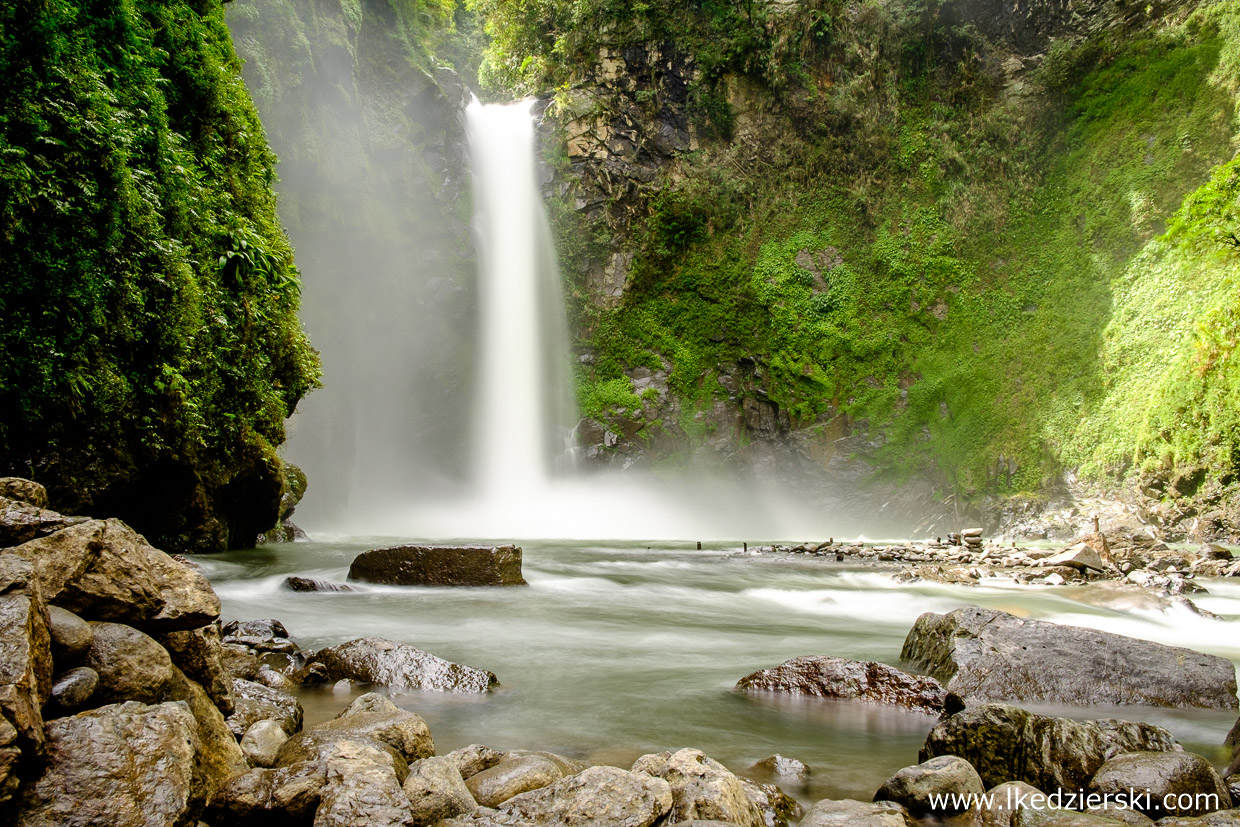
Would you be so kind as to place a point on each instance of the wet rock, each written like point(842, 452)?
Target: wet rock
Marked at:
point(262, 741)
point(475, 758)
point(986, 655)
point(310, 584)
point(1050, 817)
point(198, 654)
point(598, 795)
point(436, 791)
point(1223, 818)
point(72, 690)
point(255, 702)
point(21, 522)
point(316, 746)
point(783, 771)
point(10, 754)
point(130, 664)
point(701, 787)
point(124, 765)
point(218, 757)
point(775, 807)
point(264, 629)
point(827, 677)
point(440, 566)
point(24, 491)
point(1213, 551)
point(374, 716)
point(262, 797)
point(510, 777)
point(944, 777)
point(1233, 743)
point(1001, 803)
point(239, 661)
point(71, 636)
point(399, 665)
point(361, 790)
point(1178, 783)
point(103, 570)
point(1080, 556)
point(849, 813)
point(25, 651)
point(1005, 743)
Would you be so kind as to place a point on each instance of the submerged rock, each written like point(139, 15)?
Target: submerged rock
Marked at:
point(827, 677)
point(1006, 743)
point(310, 584)
point(986, 655)
point(440, 566)
point(401, 666)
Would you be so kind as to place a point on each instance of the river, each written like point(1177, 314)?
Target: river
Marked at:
point(618, 649)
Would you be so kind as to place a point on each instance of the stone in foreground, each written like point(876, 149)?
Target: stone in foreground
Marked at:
point(400, 666)
point(941, 785)
point(985, 655)
point(598, 795)
point(1178, 783)
point(1005, 743)
point(849, 813)
point(827, 677)
point(440, 566)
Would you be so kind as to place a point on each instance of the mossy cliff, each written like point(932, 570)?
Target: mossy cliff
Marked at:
point(983, 249)
point(150, 350)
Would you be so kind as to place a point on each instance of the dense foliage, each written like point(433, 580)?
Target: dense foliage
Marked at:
point(149, 343)
point(997, 277)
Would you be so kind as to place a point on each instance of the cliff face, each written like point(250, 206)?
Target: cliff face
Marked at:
point(374, 191)
point(149, 345)
point(972, 247)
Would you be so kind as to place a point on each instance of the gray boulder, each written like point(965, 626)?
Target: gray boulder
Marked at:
point(849, 813)
point(596, 796)
point(360, 789)
point(25, 651)
point(986, 655)
point(401, 666)
point(131, 666)
point(945, 785)
point(125, 765)
point(513, 776)
point(440, 566)
point(436, 791)
point(23, 490)
point(1177, 783)
point(104, 570)
point(702, 788)
point(71, 636)
point(374, 716)
point(1006, 743)
point(255, 702)
point(828, 677)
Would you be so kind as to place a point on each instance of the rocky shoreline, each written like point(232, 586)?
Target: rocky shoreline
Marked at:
point(125, 700)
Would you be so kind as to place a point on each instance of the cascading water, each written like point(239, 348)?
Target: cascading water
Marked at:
point(524, 404)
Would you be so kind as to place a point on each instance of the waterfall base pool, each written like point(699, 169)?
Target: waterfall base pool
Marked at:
point(619, 649)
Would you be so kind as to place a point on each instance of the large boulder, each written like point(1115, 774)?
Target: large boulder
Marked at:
point(124, 765)
point(1005, 743)
point(702, 788)
point(25, 651)
point(987, 655)
point(374, 716)
point(254, 702)
point(22, 521)
point(263, 797)
point(130, 664)
point(436, 791)
point(849, 813)
point(218, 757)
point(511, 777)
point(440, 566)
point(360, 789)
point(598, 795)
point(401, 666)
point(828, 677)
point(945, 785)
point(197, 653)
point(104, 570)
point(1166, 783)
point(23, 490)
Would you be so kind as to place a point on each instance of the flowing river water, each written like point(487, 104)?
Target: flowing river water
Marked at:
point(618, 649)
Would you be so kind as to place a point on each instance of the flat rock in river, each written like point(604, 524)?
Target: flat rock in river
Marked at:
point(440, 566)
point(986, 655)
point(827, 677)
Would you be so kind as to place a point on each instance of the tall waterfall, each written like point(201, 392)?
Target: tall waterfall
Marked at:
point(524, 406)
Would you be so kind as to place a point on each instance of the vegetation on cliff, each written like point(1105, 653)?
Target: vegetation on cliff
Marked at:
point(150, 349)
point(996, 251)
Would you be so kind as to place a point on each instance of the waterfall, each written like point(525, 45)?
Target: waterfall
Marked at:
point(524, 404)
